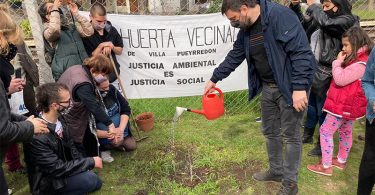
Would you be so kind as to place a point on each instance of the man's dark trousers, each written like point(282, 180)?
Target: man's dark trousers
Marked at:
point(281, 124)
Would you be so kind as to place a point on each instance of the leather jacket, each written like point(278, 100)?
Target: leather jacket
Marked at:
point(331, 27)
point(51, 159)
point(13, 128)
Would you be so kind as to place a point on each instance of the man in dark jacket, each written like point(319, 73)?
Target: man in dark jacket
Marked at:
point(275, 46)
point(324, 27)
point(54, 164)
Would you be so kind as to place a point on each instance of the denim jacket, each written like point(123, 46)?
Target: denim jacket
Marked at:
point(368, 86)
point(288, 53)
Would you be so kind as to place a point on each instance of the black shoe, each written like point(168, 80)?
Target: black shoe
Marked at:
point(316, 151)
point(267, 176)
point(288, 189)
point(258, 120)
point(307, 140)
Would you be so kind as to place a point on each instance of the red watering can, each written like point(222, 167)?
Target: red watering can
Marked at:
point(213, 105)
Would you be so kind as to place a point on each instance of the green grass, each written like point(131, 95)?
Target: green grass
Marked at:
point(364, 14)
point(209, 157)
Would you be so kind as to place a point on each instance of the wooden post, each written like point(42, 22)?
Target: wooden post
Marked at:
point(45, 73)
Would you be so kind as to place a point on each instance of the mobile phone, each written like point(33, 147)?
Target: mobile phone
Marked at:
point(18, 73)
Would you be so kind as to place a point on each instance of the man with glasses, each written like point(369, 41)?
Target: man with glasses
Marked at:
point(105, 40)
point(54, 163)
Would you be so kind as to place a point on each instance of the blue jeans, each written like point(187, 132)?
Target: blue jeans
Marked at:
point(82, 183)
point(114, 113)
point(314, 111)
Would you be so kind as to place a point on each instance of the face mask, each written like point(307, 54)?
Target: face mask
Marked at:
point(243, 22)
point(235, 24)
point(99, 78)
point(330, 13)
point(65, 110)
point(63, 21)
point(103, 93)
point(12, 52)
point(100, 26)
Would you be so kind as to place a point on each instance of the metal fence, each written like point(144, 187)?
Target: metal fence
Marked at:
point(236, 102)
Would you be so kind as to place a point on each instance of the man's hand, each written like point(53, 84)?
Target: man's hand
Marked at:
point(299, 100)
point(107, 48)
point(40, 126)
point(208, 87)
point(373, 107)
point(107, 51)
point(98, 162)
point(16, 85)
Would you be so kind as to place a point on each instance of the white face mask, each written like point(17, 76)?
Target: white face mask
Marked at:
point(100, 26)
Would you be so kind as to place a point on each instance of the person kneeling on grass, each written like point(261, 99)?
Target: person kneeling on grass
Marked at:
point(54, 164)
point(119, 111)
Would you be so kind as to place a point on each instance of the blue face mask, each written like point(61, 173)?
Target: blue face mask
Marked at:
point(99, 78)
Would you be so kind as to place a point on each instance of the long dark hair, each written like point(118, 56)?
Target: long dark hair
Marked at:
point(357, 38)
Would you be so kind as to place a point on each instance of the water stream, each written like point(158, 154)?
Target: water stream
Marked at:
point(178, 113)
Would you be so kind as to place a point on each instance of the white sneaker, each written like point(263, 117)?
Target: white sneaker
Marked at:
point(10, 191)
point(106, 156)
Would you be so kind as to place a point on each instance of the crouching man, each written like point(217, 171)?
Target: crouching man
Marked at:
point(54, 164)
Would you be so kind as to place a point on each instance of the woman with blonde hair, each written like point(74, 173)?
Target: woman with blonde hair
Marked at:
point(13, 128)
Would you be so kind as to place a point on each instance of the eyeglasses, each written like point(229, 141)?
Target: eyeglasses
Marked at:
point(69, 101)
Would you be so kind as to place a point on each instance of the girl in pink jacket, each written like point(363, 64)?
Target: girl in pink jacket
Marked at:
point(345, 101)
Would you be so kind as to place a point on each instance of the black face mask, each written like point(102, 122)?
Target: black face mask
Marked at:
point(330, 13)
point(246, 24)
point(6, 68)
point(235, 24)
point(12, 52)
point(65, 109)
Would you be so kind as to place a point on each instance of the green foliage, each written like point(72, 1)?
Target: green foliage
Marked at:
point(14, 1)
point(215, 6)
point(25, 26)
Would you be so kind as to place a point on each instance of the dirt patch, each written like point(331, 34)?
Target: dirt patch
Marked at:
point(243, 174)
point(185, 172)
point(141, 192)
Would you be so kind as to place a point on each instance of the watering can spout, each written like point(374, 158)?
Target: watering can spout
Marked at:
point(196, 111)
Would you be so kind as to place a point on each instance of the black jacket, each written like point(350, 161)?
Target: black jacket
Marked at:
point(332, 28)
point(51, 159)
point(13, 127)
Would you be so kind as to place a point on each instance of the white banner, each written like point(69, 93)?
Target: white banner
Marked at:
point(174, 56)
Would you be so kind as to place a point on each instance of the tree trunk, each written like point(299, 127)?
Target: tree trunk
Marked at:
point(45, 72)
